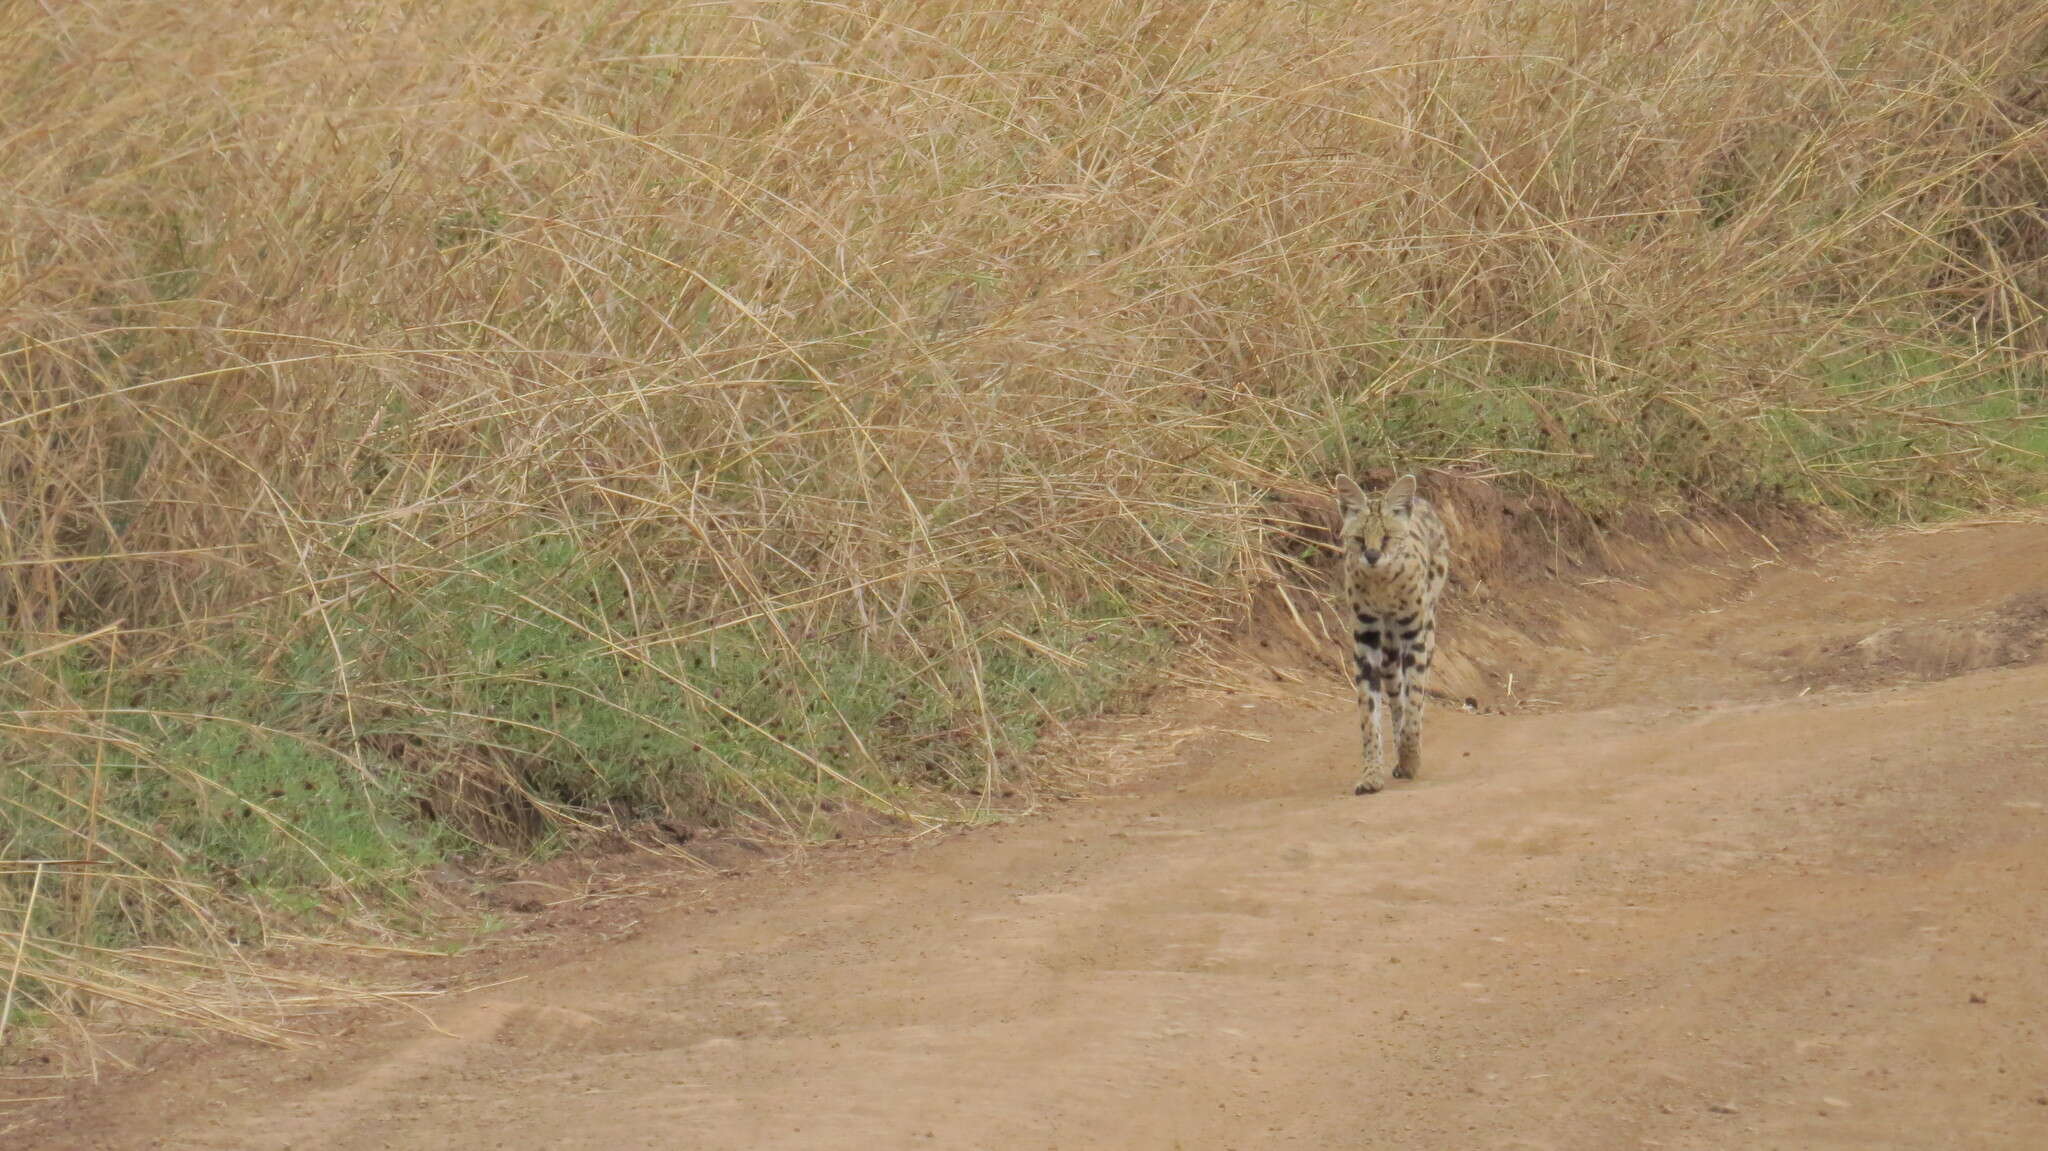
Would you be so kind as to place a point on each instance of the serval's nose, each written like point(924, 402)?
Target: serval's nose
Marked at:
point(1371, 557)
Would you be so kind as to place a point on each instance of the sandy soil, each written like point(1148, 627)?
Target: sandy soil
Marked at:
point(1766, 868)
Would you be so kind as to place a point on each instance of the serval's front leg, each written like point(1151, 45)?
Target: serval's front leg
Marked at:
point(1372, 706)
point(1411, 666)
point(1407, 703)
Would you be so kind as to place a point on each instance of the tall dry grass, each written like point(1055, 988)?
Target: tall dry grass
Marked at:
point(425, 424)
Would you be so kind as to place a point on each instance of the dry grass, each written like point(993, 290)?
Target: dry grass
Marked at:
point(534, 415)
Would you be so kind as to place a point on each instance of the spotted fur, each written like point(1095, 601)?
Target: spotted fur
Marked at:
point(1396, 559)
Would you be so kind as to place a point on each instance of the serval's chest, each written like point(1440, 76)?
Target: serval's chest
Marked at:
point(1388, 588)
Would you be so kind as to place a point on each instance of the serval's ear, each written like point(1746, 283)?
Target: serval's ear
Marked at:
point(1399, 498)
point(1349, 494)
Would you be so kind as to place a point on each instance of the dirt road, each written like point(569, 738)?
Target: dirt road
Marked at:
point(1769, 871)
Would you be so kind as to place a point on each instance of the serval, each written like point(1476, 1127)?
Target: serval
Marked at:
point(1396, 559)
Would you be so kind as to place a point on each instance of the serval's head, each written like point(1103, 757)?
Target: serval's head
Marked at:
point(1376, 526)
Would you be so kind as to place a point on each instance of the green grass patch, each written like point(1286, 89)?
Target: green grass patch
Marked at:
point(500, 703)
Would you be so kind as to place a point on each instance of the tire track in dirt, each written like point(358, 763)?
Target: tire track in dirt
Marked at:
point(1753, 882)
